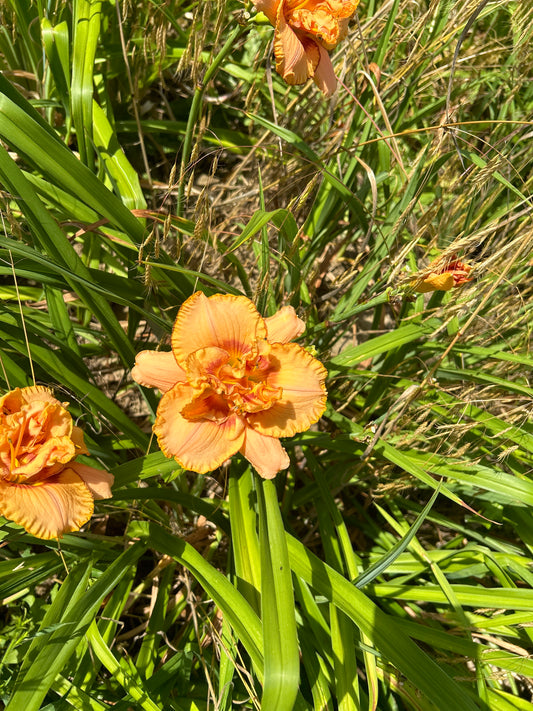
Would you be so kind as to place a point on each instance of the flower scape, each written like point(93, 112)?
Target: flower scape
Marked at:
point(42, 488)
point(305, 32)
point(442, 275)
point(232, 383)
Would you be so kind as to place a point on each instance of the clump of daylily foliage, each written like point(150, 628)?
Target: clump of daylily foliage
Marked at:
point(238, 247)
point(232, 382)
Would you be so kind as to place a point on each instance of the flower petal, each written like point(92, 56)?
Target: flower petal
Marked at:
point(157, 369)
point(317, 23)
point(60, 504)
point(303, 401)
point(98, 481)
point(34, 461)
point(442, 275)
point(79, 442)
point(434, 282)
point(324, 76)
point(15, 399)
point(264, 453)
point(206, 361)
point(284, 325)
point(206, 404)
point(225, 321)
point(296, 57)
point(269, 7)
point(200, 445)
point(343, 9)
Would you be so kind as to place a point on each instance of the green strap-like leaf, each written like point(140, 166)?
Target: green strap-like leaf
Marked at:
point(52, 652)
point(232, 604)
point(86, 21)
point(282, 664)
point(388, 639)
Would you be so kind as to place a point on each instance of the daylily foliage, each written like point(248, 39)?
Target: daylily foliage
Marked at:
point(41, 486)
point(232, 383)
point(305, 31)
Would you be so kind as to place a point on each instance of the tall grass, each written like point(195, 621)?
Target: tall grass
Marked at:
point(149, 150)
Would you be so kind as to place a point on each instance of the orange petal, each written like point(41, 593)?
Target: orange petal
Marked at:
point(79, 442)
point(343, 28)
point(303, 401)
point(37, 411)
point(206, 404)
point(199, 445)
point(284, 325)
point(206, 361)
point(59, 505)
point(98, 481)
point(157, 369)
point(336, 8)
point(434, 282)
point(264, 453)
point(460, 278)
point(228, 322)
point(296, 57)
point(56, 450)
point(15, 399)
point(324, 76)
point(269, 7)
point(318, 24)
point(343, 9)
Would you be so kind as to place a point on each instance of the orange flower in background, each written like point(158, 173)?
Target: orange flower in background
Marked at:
point(232, 383)
point(41, 487)
point(442, 275)
point(305, 31)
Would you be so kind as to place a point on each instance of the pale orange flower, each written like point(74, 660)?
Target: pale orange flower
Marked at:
point(305, 31)
point(442, 275)
point(232, 383)
point(41, 487)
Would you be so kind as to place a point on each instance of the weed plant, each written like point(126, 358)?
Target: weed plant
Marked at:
point(148, 150)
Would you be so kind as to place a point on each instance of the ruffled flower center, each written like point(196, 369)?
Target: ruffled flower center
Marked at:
point(325, 21)
point(460, 272)
point(34, 441)
point(226, 385)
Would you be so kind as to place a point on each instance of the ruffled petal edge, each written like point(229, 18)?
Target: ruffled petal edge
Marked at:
point(303, 401)
point(61, 504)
point(197, 445)
point(229, 322)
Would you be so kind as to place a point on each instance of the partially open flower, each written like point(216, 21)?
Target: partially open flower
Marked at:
point(42, 488)
point(232, 383)
point(442, 275)
point(305, 31)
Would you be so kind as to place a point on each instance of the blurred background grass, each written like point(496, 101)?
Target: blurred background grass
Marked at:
point(149, 150)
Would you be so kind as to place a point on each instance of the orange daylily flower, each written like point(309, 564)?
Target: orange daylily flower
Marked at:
point(232, 383)
point(42, 488)
point(442, 275)
point(305, 31)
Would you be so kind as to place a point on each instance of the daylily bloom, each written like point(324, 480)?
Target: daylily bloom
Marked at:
point(305, 31)
point(232, 383)
point(442, 275)
point(42, 488)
